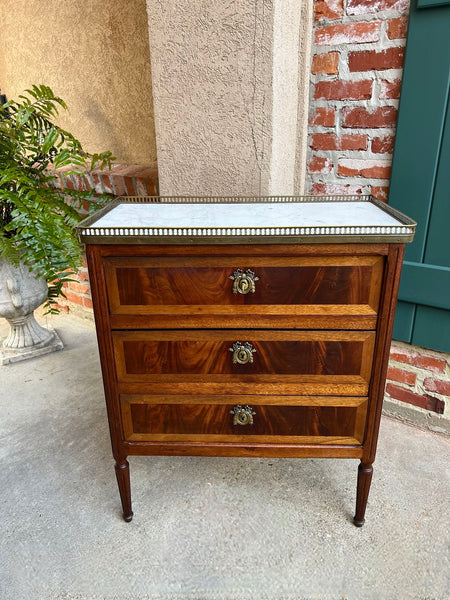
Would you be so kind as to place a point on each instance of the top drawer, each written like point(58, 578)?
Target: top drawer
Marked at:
point(295, 292)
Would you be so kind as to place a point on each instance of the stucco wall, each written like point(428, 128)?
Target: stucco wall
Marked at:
point(212, 66)
point(95, 55)
point(230, 95)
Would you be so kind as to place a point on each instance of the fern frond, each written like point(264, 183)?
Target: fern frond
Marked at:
point(38, 219)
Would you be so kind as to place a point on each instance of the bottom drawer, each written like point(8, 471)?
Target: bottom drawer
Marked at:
point(265, 419)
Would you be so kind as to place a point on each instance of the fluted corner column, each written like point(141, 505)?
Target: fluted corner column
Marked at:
point(230, 93)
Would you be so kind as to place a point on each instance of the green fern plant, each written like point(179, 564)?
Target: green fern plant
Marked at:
point(38, 219)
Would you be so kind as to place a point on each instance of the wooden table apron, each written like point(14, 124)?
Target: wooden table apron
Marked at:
point(133, 393)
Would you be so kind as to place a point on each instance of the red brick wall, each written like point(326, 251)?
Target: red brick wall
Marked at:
point(122, 180)
point(419, 377)
point(355, 85)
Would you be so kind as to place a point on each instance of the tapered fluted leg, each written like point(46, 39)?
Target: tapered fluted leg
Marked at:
point(123, 480)
point(365, 471)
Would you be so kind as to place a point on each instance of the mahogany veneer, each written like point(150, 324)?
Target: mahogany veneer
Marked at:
point(333, 292)
point(309, 382)
point(313, 420)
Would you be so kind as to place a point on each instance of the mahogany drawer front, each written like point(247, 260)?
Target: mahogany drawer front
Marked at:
point(200, 287)
point(201, 361)
point(286, 419)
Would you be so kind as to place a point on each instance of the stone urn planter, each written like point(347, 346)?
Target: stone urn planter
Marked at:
point(20, 294)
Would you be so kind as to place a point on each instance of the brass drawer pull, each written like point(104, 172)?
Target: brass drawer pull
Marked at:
point(243, 283)
point(243, 415)
point(242, 353)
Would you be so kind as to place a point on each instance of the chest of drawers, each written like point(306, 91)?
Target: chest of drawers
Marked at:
point(245, 327)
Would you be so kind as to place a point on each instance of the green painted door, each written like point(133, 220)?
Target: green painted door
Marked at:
point(420, 182)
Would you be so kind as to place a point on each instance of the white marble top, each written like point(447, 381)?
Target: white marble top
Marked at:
point(266, 218)
point(313, 214)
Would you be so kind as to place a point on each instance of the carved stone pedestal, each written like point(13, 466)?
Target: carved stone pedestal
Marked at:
point(20, 294)
point(51, 342)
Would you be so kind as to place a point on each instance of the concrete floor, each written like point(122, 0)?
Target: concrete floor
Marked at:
point(204, 528)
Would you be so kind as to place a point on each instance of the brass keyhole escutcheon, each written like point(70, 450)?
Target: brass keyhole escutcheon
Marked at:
point(243, 415)
point(243, 283)
point(242, 353)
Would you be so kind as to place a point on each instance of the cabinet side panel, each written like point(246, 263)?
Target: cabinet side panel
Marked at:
point(388, 304)
point(101, 314)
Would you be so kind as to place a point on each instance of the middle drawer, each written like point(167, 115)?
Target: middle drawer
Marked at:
point(244, 361)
